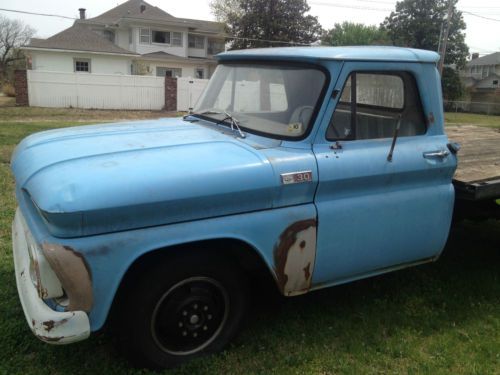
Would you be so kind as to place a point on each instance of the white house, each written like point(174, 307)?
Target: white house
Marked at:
point(132, 38)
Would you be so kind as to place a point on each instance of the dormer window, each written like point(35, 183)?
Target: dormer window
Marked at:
point(109, 35)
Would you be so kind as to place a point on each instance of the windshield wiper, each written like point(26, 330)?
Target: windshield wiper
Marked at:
point(234, 123)
point(185, 118)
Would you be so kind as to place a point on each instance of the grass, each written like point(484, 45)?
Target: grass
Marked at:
point(440, 318)
point(6, 101)
point(457, 118)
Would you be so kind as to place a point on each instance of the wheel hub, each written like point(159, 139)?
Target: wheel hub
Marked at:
point(190, 315)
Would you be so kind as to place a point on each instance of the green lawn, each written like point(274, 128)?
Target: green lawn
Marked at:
point(457, 118)
point(441, 318)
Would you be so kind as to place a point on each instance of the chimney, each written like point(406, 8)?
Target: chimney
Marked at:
point(475, 55)
point(82, 13)
point(143, 8)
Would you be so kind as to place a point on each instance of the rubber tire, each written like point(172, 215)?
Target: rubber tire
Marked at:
point(136, 309)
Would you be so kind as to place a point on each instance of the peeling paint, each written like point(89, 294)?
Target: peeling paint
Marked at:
point(430, 119)
point(74, 274)
point(294, 257)
point(51, 324)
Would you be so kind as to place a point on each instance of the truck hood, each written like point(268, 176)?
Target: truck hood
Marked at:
point(104, 178)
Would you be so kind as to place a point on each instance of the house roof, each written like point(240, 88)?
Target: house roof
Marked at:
point(79, 37)
point(160, 55)
point(491, 59)
point(131, 10)
point(487, 82)
point(372, 53)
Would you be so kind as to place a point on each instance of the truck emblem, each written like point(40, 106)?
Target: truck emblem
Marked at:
point(296, 177)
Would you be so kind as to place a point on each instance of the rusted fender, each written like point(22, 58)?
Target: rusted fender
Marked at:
point(294, 257)
point(73, 273)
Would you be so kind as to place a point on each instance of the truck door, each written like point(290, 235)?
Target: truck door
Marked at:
point(378, 212)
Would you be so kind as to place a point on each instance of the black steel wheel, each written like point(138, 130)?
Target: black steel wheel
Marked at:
point(182, 308)
point(190, 315)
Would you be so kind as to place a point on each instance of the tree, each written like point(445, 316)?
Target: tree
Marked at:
point(417, 24)
point(255, 22)
point(13, 34)
point(354, 34)
point(453, 88)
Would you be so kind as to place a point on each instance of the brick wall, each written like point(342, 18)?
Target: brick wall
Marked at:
point(21, 86)
point(170, 94)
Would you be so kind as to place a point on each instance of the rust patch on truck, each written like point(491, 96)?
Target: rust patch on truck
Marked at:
point(42, 292)
point(294, 257)
point(74, 274)
point(49, 325)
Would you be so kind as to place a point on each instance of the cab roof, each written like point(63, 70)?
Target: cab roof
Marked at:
point(311, 54)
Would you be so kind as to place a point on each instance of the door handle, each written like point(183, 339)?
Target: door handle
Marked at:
point(436, 154)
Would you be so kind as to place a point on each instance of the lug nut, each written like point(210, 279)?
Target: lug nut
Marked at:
point(195, 334)
point(205, 328)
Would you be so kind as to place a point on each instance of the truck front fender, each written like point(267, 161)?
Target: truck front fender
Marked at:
point(284, 238)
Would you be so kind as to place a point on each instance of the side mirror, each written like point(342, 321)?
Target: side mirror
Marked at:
point(454, 147)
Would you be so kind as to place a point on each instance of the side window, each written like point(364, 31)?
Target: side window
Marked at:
point(371, 105)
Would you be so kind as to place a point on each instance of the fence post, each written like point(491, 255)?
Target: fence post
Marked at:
point(170, 94)
point(21, 87)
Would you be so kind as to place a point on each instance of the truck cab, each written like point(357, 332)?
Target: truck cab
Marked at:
point(311, 166)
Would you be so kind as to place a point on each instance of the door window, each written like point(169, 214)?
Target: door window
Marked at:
point(372, 104)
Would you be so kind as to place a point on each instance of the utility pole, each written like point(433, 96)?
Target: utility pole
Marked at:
point(442, 44)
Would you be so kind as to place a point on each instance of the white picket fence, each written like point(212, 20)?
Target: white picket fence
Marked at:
point(188, 92)
point(102, 91)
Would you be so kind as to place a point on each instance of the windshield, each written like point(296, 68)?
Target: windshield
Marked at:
point(277, 100)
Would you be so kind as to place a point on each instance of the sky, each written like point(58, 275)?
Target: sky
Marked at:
point(482, 34)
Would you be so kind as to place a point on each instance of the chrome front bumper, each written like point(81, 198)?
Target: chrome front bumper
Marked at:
point(48, 325)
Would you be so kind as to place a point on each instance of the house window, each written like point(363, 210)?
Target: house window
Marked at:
point(177, 39)
point(485, 71)
point(109, 35)
point(215, 47)
point(199, 73)
point(373, 104)
point(495, 82)
point(81, 65)
point(129, 36)
point(145, 36)
point(162, 71)
point(162, 37)
point(195, 41)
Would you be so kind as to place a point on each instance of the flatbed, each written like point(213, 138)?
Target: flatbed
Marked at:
point(478, 173)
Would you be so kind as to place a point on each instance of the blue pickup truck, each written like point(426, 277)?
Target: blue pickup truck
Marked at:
point(312, 167)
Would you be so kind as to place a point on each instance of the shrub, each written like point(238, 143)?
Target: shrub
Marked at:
point(8, 89)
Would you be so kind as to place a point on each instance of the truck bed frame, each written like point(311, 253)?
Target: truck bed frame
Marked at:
point(478, 174)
